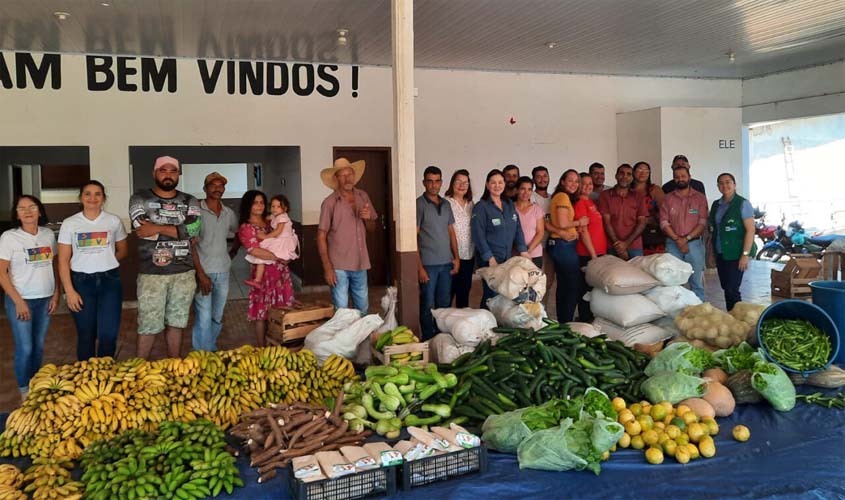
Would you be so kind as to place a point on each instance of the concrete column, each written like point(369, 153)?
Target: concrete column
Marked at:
point(404, 170)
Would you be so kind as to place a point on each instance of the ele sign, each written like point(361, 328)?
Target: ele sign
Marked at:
point(727, 144)
point(131, 74)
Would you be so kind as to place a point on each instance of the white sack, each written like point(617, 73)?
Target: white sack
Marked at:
point(624, 310)
point(665, 267)
point(512, 315)
point(517, 278)
point(672, 299)
point(444, 349)
point(646, 333)
point(342, 334)
point(617, 277)
point(389, 304)
point(468, 326)
point(585, 329)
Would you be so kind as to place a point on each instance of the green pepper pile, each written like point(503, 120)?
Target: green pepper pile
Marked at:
point(395, 396)
point(795, 343)
point(528, 367)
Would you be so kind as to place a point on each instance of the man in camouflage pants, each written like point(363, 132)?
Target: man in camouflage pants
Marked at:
point(165, 221)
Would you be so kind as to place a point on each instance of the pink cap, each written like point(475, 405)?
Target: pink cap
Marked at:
point(165, 160)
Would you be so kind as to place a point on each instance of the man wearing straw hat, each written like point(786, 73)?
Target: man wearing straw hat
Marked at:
point(345, 217)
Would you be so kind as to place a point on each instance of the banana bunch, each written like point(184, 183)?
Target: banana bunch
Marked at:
point(399, 336)
point(184, 461)
point(11, 481)
point(71, 406)
point(50, 478)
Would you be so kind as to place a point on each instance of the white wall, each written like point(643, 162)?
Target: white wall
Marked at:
point(819, 90)
point(638, 139)
point(562, 121)
point(696, 133)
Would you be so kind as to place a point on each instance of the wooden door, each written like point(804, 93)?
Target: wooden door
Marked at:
point(376, 182)
point(17, 182)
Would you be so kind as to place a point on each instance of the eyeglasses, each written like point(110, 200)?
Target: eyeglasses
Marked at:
point(461, 184)
point(30, 208)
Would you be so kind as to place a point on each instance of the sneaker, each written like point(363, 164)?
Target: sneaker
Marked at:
point(253, 283)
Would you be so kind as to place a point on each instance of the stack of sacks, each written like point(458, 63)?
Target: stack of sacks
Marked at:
point(462, 330)
point(520, 286)
point(635, 302)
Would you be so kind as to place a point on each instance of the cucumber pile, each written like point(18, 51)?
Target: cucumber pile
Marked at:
point(528, 367)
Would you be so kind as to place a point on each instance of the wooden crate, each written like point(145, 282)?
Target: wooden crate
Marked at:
point(293, 323)
point(833, 266)
point(390, 350)
point(794, 280)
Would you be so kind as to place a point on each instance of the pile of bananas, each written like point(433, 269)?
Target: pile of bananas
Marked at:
point(71, 406)
point(184, 460)
point(50, 478)
point(11, 483)
point(399, 336)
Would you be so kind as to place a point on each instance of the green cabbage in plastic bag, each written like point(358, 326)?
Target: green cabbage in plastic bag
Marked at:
point(505, 432)
point(571, 446)
point(673, 387)
point(773, 384)
point(740, 357)
point(681, 357)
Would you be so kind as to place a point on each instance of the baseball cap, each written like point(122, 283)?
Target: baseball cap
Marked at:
point(165, 160)
point(679, 157)
point(214, 176)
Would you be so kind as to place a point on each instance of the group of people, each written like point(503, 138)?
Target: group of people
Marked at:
point(562, 228)
point(185, 259)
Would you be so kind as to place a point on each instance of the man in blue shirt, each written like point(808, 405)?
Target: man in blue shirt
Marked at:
point(437, 250)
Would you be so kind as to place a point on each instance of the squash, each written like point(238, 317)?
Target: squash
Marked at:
point(720, 398)
point(716, 374)
point(740, 386)
point(700, 406)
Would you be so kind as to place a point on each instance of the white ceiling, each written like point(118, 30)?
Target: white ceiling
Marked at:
point(624, 37)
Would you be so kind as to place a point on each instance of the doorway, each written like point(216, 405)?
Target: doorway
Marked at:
point(376, 183)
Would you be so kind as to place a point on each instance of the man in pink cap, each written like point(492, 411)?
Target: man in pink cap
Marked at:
point(165, 221)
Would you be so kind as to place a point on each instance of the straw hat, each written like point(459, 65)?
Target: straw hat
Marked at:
point(328, 174)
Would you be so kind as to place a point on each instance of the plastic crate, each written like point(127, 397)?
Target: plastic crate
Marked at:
point(370, 483)
point(443, 467)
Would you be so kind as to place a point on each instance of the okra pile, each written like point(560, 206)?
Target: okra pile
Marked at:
point(528, 367)
point(795, 343)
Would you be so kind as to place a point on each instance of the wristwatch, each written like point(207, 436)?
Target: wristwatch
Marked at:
point(746, 254)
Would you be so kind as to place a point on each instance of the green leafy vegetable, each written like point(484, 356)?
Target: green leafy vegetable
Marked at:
point(740, 357)
point(681, 357)
point(597, 404)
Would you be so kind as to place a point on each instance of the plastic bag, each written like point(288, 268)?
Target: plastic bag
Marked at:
point(680, 357)
point(740, 357)
point(505, 432)
point(572, 445)
point(512, 315)
point(342, 334)
point(617, 277)
point(517, 279)
point(444, 348)
point(665, 268)
point(672, 299)
point(389, 303)
point(673, 387)
point(774, 385)
point(467, 326)
point(585, 329)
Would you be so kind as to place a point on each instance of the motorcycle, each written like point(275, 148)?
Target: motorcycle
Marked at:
point(794, 239)
point(765, 232)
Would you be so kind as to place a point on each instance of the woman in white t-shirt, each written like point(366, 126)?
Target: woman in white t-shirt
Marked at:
point(91, 243)
point(459, 195)
point(28, 276)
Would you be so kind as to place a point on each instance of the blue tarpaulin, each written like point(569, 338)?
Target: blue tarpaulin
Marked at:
point(798, 454)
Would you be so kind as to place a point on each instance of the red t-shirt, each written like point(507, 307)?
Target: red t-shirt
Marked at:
point(596, 228)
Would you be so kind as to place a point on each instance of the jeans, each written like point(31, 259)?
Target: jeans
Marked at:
point(29, 338)
point(434, 295)
point(462, 283)
point(731, 278)
point(98, 322)
point(208, 313)
point(568, 277)
point(351, 281)
point(695, 257)
point(585, 314)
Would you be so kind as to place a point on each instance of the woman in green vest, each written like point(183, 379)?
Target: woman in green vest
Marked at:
point(732, 226)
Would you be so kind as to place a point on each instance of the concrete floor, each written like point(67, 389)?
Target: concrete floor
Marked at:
point(60, 346)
